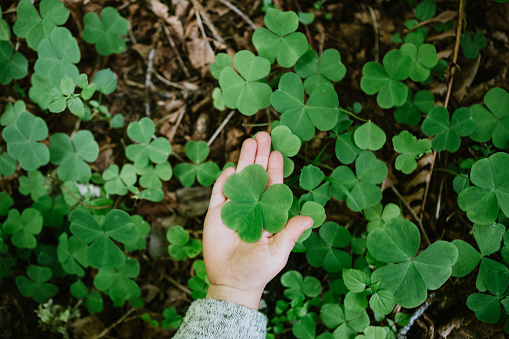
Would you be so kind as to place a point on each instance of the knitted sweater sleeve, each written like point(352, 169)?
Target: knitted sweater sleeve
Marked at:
point(210, 318)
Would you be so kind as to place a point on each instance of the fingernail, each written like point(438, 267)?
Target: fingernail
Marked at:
point(309, 226)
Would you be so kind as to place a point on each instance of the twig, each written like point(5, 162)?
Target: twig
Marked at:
point(178, 285)
point(448, 95)
point(112, 326)
point(202, 30)
point(78, 200)
point(402, 333)
point(240, 13)
point(351, 114)
point(148, 79)
point(412, 212)
point(170, 83)
point(177, 123)
point(220, 128)
point(375, 29)
point(207, 22)
point(172, 44)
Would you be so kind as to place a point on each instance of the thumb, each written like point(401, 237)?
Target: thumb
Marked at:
point(286, 238)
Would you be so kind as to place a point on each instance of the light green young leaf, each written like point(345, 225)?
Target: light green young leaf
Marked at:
point(382, 301)
point(280, 41)
point(22, 141)
point(490, 190)
point(24, 227)
point(35, 28)
point(105, 32)
point(72, 155)
point(222, 61)
point(245, 91)
point(250, 208)
point(411, 149)
point(355, 280)
point(373, 332)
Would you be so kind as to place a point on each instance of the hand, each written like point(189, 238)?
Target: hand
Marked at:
point(238, 271)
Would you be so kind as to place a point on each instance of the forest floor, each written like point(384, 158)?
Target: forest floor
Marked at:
point(179, 40)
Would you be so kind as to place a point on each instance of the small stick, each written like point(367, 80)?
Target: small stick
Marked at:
point(148, 79)
point(112, 326)
point(177, 124)
point(170, 83)
point(207, 21)
point(78, 200)
point(178, 285)
point(375, 29)
point(412, 212)
point(202, 30)
point(218, 130)
point(240, 13)
point(172, 43)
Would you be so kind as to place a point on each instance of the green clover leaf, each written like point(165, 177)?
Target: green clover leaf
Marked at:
point(299, 287)
point(36, 286)
point(12, 66)
point(363, 190)
point(320, 71)
point(40, 92)
point(322, 250)
point(346, 148)
point(472, 45)
point(22, 141)
point(105, 32)
point(119, 182)
point(284, 141)
point(252, 207)
point(222, 61)
point(490, 192)
point(425, 10)
point(409, 113)
point(379, 215)
point(64, 97)
point(33, 184)
point(105, 80)
point(320, 110)
point(71, 254)
point(492, 122)
point(181, 247)
point(310, 179)
point(118, 283)
point(374, 332)
point(57, 56)
point(205, 172)
point(102, 251)
point(411, 149)
point(447, 134)
point(424, 58)
point(12, 112)
point(305, 328)
point(5, 203)
point(409, 276)
point(5, 30)
point(345, 322)
point(486, 306)
point(156, 151)
point(7, 164)
point(23, 227)
point(150, 176)
point(369, 136)
point(143, 229)
point(35, 28)
point(280, 41)
point(243, 90)
point(386, 80)
point(72, 156)
point(53, 209)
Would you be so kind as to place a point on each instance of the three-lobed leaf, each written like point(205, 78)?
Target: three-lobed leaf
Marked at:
point(105, 32)
point(411, 149)
point(12, 66)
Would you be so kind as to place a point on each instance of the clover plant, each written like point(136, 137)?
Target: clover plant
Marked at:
point(105, 32)
point(204, 172)
point(411, 149)
point(492, 121)
point(410, 112)
point(23, 227)
point(12, 111)
point(118, 283)
point(12, 66)
point(378, 215)
point(321, 70)
point(284, 141)
point(311, 178)
point(35, 27)
point(386, 79)
point(447, 133)
point(472, 44)
point(279, 40)
point(424, 58)
point(5, 30)
point(489, 193)
point(320, 110)
point(425, 10)
point(299, 287)
point(345, 323)
point(147, 149)
point(64, 96)
point(199, 284)
point(36, 285)
point(118, 181)
point(181, 246)
point(242, 89)
point(369, 136)
point(252, 207)
point(322, 249)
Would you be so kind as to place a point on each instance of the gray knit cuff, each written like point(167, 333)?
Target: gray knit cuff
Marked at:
point(210, 318)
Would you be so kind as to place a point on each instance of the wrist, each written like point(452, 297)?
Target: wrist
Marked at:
point(246, 298)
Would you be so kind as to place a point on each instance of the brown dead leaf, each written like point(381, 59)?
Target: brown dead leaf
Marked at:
point(464, 79)
point(88, 327)
point(193, 201)
point(444, 17)
point(200, 53)
point(143, 50)
point(232, 139)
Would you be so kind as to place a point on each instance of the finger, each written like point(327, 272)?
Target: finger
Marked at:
point(284, 241)
point(263, 151)
point(275, 169)
point(217, 197)
point(247, 154)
